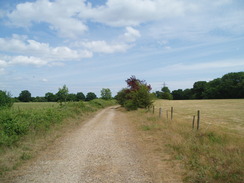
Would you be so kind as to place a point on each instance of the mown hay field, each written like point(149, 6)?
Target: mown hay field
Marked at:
point(214, 153)
point(226, 113)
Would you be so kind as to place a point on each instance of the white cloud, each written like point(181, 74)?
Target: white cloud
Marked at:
point(135, 12)
point(3, 63)
point(208, 20)
point(122, 45)
point(23, 46)
point(24, 60)
point(69, 18)
point(131, 34)
point(205, 65)
point(104, 47)
point(59, 14)
point(44, 80)
point(184, 69)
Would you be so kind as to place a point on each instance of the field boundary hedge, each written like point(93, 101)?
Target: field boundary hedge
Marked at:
point(18, 125)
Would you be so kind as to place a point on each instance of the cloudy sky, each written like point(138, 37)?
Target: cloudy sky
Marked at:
point(93, 44)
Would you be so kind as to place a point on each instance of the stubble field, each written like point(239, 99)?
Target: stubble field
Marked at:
point(214, 153)
point(225, 114)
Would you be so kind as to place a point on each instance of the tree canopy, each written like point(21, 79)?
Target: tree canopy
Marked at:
point(164, 93)
point(106, 94)
point(90, 96)
point(62, 94)
point(5, 99)
point(25, 96)
point(136, 95)
point(50, 97)
point(230, 86)
point(80, 96)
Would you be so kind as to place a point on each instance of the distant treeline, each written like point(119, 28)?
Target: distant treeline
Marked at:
point(62, 95)
point(25, 96)
point(230, 86)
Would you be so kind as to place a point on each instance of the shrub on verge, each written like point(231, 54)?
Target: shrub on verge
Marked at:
point(136, 95)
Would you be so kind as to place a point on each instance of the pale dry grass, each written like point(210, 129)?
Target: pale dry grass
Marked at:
point(220, 113)
point(212, 154)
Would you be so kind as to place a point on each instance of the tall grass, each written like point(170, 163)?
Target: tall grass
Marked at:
point(212, 154)
point(27, 121)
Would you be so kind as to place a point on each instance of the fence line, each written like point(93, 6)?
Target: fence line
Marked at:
point(160, 114)
point(195, 120)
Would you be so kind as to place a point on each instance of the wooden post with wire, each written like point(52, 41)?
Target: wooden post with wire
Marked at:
point(198, 119)
point(193, 122)
point(160, 112)
point(172, 111)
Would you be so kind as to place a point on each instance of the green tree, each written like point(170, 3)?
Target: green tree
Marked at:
point(166, 93)
point(232, 85)
point(62, 94)
point(159, 94)
point(188, 94)
point(72, 97)
point(38, 99)
point(80, 96)
point(90, 96)
point(50, 97)
point(136, 95)
point(121, 96)
point(25, 96)
point(106, 94)
point(5, 99)
point(212, 90)
point(165, 89)
point(199, 88)
point(178, 94)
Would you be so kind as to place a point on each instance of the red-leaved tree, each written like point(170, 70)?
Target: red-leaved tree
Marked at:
point(136, 95)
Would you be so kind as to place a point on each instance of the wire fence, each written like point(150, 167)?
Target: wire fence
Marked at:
point(168, 114)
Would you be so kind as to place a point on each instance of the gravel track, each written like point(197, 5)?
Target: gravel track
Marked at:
point(101, 150)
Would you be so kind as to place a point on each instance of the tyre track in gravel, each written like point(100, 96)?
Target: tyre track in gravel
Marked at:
point(101, 150)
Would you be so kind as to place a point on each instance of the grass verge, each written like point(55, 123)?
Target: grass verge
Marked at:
point(209, 155)
point(26, 130)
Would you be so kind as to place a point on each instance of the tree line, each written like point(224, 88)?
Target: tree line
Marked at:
point(230, 86)
point(137, 93)
point(62, 95)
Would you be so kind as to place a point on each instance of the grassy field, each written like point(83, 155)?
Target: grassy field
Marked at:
point(34, 105)
point(227, 114)
point(27, 128)
point(215, 153)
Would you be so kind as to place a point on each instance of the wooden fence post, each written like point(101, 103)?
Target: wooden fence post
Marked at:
point(198, 119)
point(167, 112)
point(160, 112)
point(193, 121)
point(172, 111)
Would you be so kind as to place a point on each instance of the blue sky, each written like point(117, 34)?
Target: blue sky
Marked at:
point(93, 44)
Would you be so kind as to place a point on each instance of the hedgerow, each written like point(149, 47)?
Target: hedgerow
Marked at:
point(15, 123)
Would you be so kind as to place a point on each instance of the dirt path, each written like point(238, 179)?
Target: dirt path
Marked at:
point(101, 150)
